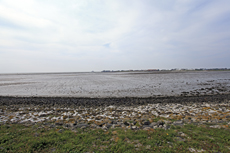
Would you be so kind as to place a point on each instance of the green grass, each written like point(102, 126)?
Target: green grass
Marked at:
point(20, 138)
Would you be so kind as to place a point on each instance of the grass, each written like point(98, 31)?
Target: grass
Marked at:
point(20, 138)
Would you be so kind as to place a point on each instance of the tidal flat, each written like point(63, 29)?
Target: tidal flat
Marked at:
point(115, 84)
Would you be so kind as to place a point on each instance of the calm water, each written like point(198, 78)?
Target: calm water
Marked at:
point(114, 84)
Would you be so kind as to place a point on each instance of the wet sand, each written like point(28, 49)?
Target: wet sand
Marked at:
point(119, 84)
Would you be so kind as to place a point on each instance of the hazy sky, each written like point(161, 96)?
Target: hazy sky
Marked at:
point(86, 35)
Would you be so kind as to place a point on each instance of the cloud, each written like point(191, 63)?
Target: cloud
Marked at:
point(98, 34)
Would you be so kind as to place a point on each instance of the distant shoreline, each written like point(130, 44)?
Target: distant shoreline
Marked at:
point(125, 71)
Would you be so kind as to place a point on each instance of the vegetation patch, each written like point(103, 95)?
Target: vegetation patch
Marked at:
point(39, 138)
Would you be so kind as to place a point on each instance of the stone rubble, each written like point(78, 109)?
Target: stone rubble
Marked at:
point(146, 117)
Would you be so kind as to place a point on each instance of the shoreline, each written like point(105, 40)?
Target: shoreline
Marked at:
point(114, 101)
point(113, 115)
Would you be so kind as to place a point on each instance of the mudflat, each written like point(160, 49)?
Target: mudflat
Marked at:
point(115, 84)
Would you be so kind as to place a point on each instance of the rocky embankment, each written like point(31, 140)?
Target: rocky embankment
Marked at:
point(130, 113)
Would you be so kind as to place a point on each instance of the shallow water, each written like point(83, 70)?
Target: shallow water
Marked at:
point(122, 84)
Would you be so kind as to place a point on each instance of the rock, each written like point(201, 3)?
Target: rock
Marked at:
point(167, 122)
point(52, 126)
point(104, 128)
point(67, 125)
point(178, 123)
point(114, 122)
point(146, 128)
point(134, 127)
point(126, 123)
point(167, 127)
point(146, 123)
point(215, 126)
point(153, 124)
point(81, 125)
point(43, 115)
point(93, 126)
point(180, 139)
point(191, 149)
point(73, 123)
point(108, 125)
point(182, 134)
point(60, 131)
point(220, 121)
point(59, 123)
point(138, 145)
point(160, 122)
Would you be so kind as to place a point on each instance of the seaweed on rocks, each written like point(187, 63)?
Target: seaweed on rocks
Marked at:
point(103, 102)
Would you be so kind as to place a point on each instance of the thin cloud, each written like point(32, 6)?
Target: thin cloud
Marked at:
point(96, 35)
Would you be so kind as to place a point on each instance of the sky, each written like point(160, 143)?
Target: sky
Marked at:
point(96, 35)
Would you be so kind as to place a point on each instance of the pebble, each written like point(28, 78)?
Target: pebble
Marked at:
point(129, 117)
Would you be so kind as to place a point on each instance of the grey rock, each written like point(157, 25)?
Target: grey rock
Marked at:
point(60, 131)
point(215, 126)
point(178, 123)
point(93, 126)
point(160, 122)
point(186, 120)
point(146, 126)
point(73, 124)
point(126, 123)
point(153, 124)
point(59, 123)
point(114, 122)
point(167, 127)
point(67, 125)
point(52, 126)
point(146, 123)
point(220, 121)
point(81, 125)
point(191, 149)
point(104, 128)
point(182, 134)
point(43, 115)
point(108, 125)
point(180, 139)
point(167, 122)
